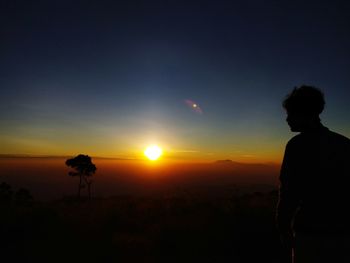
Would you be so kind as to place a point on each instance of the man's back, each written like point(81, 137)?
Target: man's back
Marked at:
point(316, 171)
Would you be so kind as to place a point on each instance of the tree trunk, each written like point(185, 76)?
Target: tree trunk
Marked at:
point(88, 183)
point(89, 190)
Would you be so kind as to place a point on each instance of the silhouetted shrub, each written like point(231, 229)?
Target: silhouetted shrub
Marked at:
point(6, 193)
point(23, 197)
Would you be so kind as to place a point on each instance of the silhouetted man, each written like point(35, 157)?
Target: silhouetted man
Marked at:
point(313, 209)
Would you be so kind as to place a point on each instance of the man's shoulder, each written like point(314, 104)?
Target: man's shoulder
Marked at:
point(325, 137)
point(339, 137)
point(295, 140)
point(336, 137)
point(339, 142)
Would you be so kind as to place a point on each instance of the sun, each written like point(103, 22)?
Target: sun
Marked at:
point(153, 152)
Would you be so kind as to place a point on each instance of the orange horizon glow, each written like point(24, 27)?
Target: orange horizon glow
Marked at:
point(165, 160)
point(191, 148)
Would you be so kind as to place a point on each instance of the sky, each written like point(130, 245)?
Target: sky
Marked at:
point(108, 78)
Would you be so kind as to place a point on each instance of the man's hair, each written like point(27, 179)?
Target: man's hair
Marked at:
point(305, 99)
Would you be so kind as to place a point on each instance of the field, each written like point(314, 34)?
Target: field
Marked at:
point(202, 220)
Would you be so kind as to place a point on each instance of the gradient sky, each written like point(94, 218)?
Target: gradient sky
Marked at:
point(107, 78)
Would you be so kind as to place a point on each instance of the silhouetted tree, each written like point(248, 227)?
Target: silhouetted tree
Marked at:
point(84, 168)
point(5, 193)
point(23, 197)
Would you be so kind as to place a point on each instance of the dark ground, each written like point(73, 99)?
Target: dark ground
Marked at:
point(161, 228)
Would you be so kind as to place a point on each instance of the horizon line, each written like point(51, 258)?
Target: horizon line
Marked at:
point(125, 159)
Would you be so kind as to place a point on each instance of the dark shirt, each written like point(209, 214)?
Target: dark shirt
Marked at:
point(314, 189)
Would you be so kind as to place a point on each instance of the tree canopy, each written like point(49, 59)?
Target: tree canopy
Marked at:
point(82, 164)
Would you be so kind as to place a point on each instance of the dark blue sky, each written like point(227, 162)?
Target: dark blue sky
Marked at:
point(109, 77)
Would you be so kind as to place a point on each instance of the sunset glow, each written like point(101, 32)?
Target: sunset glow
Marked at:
point(181, 131)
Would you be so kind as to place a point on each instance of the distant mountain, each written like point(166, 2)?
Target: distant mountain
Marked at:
point(228, 161)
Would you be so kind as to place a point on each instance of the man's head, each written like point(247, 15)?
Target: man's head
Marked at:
point(303, 107)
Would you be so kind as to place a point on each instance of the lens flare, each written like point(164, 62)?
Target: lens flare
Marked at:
point(194, 106)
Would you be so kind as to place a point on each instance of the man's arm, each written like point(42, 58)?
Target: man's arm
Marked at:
point(288, 202)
